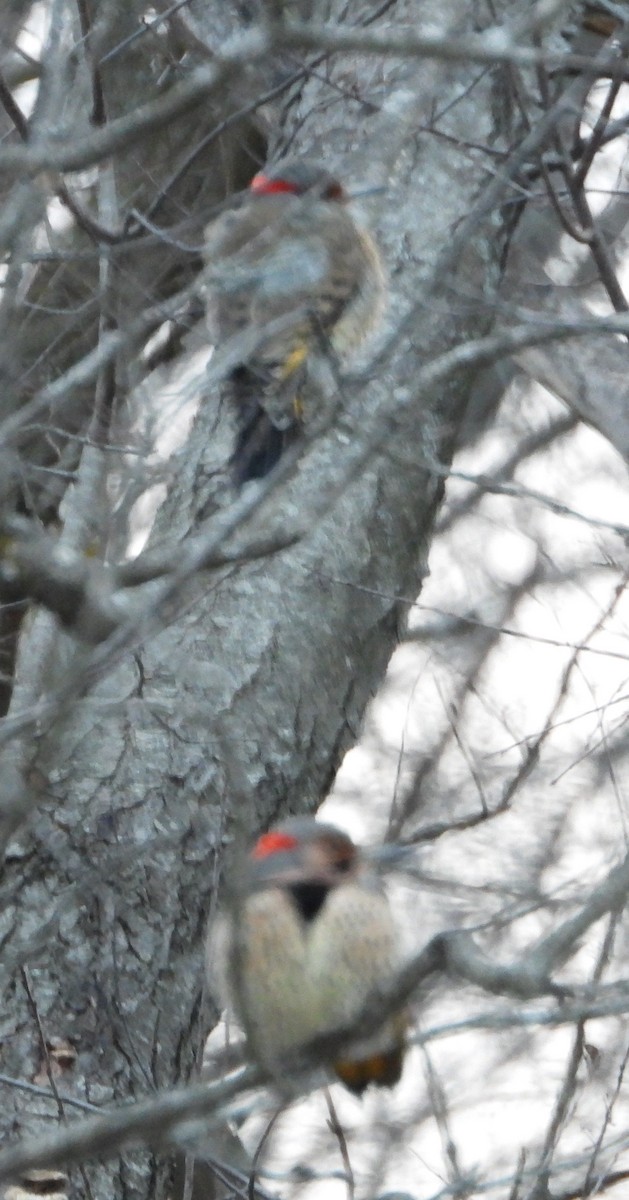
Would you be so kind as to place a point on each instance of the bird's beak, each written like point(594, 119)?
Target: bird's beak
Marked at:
point(375, 190)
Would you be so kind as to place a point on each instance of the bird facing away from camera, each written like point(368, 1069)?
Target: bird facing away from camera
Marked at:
point(310, 937)
point(291, 273)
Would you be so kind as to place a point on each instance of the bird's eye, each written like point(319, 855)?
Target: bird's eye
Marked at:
point(333, 191)
point(343, 865)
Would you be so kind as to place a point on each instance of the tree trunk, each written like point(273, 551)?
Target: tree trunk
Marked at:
point(241, 707)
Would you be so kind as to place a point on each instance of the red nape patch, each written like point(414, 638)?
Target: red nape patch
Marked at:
point(273, 843)
point(263, 186)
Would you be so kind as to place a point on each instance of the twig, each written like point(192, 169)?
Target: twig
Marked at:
point(251, 1185)
point(339, 1133)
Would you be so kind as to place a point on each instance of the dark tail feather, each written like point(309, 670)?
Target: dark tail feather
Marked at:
point(259, 443)
point(258, 448)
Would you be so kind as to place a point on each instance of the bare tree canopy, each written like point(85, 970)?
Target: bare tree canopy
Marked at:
point(187, 653)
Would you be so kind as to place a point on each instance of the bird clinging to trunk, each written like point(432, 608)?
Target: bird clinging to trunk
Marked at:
point(310, 937)
point(293, 273)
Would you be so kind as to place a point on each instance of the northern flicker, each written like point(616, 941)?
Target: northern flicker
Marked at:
point(293, 273)
point(311, 936)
